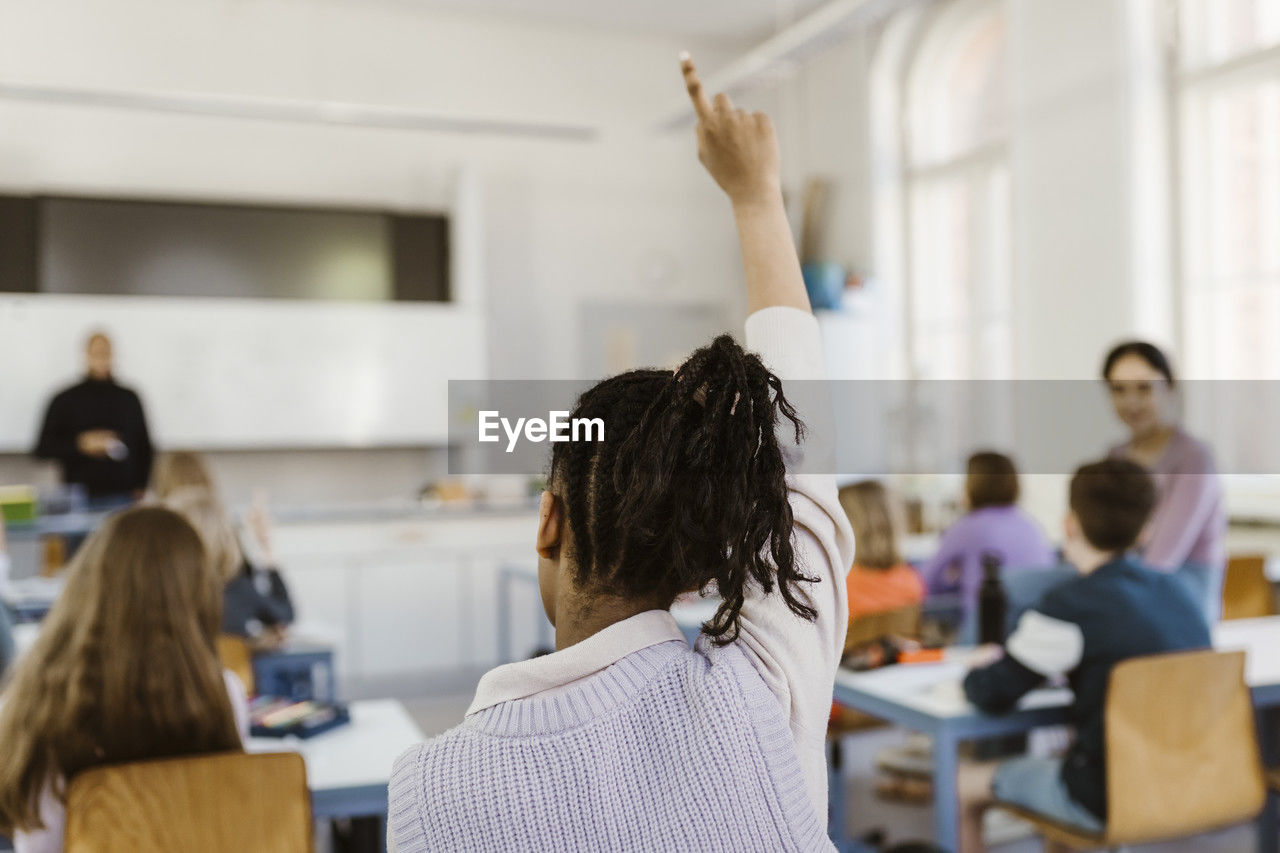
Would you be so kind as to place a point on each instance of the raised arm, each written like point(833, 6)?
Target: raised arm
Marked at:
point(796, 658)
point(740, 150)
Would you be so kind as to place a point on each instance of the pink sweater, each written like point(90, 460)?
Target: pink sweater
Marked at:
point(1189, 524)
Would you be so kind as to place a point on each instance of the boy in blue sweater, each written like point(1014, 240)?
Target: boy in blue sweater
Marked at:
point(1116, 609)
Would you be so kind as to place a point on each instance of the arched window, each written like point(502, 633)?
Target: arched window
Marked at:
point(957, 197)
point(1228, 93)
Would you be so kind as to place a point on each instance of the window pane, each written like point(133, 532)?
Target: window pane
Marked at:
point(958, 96)
point(1231, 219)
point(1211, 31)
point(960, 267)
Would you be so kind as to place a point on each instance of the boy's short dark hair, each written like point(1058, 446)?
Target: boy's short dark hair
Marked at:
point(991, 479)
point(1112, 499)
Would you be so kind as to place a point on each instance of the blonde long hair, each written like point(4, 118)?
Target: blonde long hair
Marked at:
point(125, 667)
point(876, 522)
point(180, 470)
point(209, 517)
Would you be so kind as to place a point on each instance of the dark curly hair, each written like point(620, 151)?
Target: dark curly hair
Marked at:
point(687, 487)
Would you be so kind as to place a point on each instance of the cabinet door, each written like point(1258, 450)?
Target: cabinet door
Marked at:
point(408, 614)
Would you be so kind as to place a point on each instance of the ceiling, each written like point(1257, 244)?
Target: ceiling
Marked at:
point(728, 19)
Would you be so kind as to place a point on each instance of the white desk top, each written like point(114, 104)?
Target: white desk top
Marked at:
point(935, 688)
point(1260, 639)
point(355, 755)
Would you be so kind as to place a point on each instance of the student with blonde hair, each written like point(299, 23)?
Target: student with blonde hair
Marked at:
point(179, 470)
point(879, 580)
point(124, 669)
point(255, 601)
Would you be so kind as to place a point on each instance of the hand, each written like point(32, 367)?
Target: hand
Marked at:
point(259, 520)
point(97, 442)
point(271, 639)
point(985, 655)
point(738, 148)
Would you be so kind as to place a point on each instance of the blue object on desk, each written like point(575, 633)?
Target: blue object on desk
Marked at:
point(825, 283)
point(299, 671)
point(312, 718)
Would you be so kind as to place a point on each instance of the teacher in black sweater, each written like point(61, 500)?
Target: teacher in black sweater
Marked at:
point(96, 431)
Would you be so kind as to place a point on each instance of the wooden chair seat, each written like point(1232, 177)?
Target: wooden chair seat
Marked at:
point(1247, 592)
point(1182, 752)
point(902, 622)
point(197, 804)
point(235, 655)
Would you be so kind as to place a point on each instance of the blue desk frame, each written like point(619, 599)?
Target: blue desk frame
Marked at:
point(949, 732)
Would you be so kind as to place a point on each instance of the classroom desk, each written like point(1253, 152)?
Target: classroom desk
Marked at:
point(348, 768)
point(929, 698)
point(30, 599)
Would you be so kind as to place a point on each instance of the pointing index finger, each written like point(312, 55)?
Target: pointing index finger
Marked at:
point(701, 105)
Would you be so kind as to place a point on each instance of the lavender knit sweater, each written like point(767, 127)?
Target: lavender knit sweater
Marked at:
point(631, 740)
point(667, 749)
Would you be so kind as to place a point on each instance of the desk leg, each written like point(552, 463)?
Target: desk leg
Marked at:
point(836, 826)
point(504, 615)
point(1269, 820)
point(946, 801)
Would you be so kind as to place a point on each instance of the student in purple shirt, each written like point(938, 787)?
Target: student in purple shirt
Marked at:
point(993, 525)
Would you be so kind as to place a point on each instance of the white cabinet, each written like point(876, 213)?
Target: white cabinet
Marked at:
point(408, 611)
point(412, 600)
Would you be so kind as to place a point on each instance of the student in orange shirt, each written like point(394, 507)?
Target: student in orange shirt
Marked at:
point(880, 580)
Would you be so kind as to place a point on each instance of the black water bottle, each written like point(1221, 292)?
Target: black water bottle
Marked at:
point(992, 603)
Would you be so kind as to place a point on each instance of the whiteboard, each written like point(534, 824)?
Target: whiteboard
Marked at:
point(247, 374)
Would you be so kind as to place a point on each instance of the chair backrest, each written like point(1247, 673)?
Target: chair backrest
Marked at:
point(199, 804)
point(902, 622)
point(1182, 752)
point(234, 654)
point(1246, 591)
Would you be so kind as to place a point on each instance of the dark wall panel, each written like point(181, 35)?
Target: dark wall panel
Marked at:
point(18, 247)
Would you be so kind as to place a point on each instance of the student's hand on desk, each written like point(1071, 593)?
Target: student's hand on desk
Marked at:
point(96, 442)
point(271, 639)
point(738, 148)
point(985, 655)
point(260, 524)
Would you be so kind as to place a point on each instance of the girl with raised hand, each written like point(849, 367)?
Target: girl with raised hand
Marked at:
point(124, 669)
point(625, 738)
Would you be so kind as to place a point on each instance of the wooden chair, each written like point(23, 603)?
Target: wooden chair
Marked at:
point(234, 654)
point(1273, 778)
point(199, 804)
point(1246, 591)
point(903, 622)
point(1182, 753)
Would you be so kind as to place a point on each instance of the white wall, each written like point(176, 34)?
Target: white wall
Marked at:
point(629, 216)
point(562, 220)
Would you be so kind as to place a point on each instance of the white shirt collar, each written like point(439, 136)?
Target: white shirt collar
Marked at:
point(603, 648)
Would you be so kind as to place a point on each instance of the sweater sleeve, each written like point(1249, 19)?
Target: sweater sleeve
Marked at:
point(1189, 500)
point(797, 658)
point(57, 440)
point(1042, 646)
point(53, 814)
point(143, 451)
point(998, 687)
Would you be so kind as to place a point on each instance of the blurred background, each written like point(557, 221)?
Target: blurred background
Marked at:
point(298, 219)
